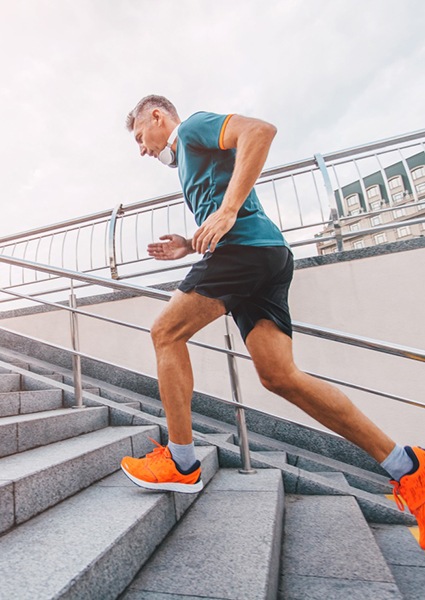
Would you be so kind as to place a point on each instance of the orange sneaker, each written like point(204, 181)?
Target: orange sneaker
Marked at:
point(158, 471)
point(411, 488)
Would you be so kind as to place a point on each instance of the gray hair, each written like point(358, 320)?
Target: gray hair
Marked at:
point(148, 102)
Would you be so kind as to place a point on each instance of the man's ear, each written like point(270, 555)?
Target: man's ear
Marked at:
point(157, 116)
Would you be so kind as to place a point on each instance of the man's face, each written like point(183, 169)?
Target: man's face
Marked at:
point(149, 134)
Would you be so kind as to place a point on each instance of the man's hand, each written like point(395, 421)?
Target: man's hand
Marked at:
point(176, 247)
point(212, 230)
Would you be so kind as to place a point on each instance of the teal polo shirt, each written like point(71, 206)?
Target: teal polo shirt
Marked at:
point(205, 169)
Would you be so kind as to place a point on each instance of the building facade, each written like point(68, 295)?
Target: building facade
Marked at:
point(366, 207)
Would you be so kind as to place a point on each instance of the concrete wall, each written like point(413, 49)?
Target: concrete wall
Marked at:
point(379, 296)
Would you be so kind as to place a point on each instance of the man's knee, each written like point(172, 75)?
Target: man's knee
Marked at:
point(164, 332)
point(159, 332)
point(282, 382)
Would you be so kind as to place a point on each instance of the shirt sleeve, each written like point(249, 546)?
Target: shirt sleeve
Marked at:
point(206, 130)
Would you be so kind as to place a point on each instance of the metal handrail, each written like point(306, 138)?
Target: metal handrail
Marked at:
point(323, 332)
point(224, 400)
point(228, 352)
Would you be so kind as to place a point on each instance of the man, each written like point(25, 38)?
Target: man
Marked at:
point(246, 269)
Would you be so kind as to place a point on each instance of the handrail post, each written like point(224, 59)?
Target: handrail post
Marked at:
point(240, 412)
point(320, 161)
point(118, 210)
point(76, 359)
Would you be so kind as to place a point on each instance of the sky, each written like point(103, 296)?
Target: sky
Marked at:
point(330, 74)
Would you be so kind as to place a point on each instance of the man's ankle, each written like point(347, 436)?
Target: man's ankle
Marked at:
point(183, 454)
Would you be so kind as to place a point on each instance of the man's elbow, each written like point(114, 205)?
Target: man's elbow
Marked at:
point(267, 131)
point(272, 130)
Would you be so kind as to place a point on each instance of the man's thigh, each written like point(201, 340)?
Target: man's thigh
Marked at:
point(270, 349)
point(188, 312)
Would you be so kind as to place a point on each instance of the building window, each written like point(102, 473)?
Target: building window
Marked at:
point(358, 245)
point(420, 188)
point(400, 212)
point(374, 221)
point(417, 173)
point(398, 197)
point(381, 238)
point(403, 231)
point(395, 182)
point(355, 227)
point(375, 205)
point(373, 191)
point(352, 200)
point(354, 213)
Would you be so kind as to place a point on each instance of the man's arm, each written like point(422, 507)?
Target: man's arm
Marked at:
point(252, 139)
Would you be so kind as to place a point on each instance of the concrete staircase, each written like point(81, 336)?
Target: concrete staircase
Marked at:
point(313, 522)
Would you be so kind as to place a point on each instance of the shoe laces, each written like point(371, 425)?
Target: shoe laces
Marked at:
point(397, 495)
point(157, 453)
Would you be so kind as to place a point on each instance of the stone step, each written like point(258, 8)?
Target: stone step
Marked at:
point(19, 403)
point(32, 481)
point(227, 546)
point(329, 552)
point(217, 439)
point(31, 383)
point(280, 458)
point(93, 544)
point(15, 359)
point(336, 478)
point(404, 557)
point(19, 433)
point(10, 382)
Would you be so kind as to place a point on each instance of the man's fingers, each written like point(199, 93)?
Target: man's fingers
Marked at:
point(205, 241)
point(158, 254)
point(202, 239)
point(205, 244)
point(155, 248)
point(208, 235)
point(200, 242)
point(214, 242)
point(195, 240)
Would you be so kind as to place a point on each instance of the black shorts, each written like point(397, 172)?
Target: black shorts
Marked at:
point(252, 282)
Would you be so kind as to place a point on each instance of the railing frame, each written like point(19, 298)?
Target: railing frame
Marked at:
point(118, 210)
point(319, 163)
point(237, 397)
point(75, 342)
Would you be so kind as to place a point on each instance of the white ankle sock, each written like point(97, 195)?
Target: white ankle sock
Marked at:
point(397, 463)
point(183, 454)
